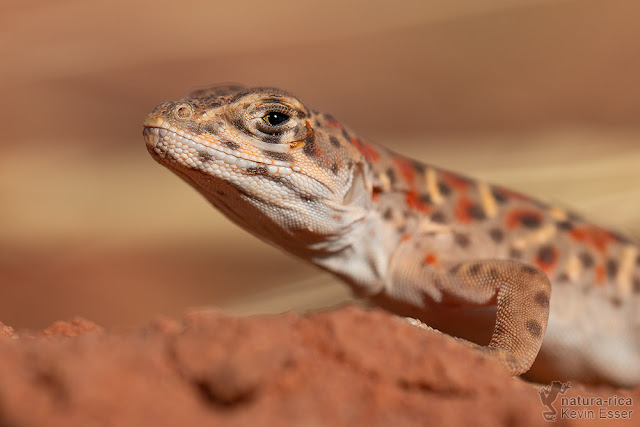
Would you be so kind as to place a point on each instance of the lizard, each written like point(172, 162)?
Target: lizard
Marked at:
point(515, 278)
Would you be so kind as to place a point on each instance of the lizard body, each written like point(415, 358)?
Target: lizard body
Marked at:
point(475, 260)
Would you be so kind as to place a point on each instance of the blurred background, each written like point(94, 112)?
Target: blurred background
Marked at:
point(542, 96)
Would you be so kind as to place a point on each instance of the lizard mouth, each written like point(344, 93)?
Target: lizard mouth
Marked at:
point(169, 146)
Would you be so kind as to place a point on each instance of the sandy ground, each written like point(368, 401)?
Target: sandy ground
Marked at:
point(319, 370)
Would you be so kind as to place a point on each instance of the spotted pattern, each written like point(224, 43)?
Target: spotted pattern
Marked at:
point(542, 299)
point(497, 235)
point(534, 328)
point(445, 217)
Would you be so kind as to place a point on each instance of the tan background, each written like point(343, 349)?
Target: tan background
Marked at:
point(542, 96)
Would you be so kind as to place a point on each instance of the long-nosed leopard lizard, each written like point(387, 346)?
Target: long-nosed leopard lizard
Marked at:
point(462, 256)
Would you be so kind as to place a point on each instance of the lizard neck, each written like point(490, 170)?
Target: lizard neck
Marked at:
point(359, 257)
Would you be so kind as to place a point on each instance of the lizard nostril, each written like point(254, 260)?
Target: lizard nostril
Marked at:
point(183, 112)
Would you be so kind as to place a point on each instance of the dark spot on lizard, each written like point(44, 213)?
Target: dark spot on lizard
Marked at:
point(573, 216)
point(534, 328)
point(496, 234)
point(528, 269)
point(444, 189)
point(612, 268)
point(616, 301)
point(462, 240)
point(230, 144)
point(636, 285)
point(258, 170)
point(515, 253)
point(455, 269)
point(209, 127)
point(498, 196)
point(392, 176)
point(438, 217)
point(418, 167)
point(523, 217)
point(346, 136)
point(425, 198)
point(565, 225)
point(285, 157)
point(562, 278)
point(335, 168)
point(494, 274)
point(475, 269)
point(586, 259)
point(476, 212)
point(310, 149)
point(387, 214)
point(530, 221)
point(204, 156)
point(542, 299)
point(334, 141)
point(547, 255)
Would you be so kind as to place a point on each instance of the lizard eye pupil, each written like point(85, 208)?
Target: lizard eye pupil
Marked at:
point(275, 119)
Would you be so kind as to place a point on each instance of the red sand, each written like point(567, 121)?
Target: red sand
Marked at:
point(344, 367)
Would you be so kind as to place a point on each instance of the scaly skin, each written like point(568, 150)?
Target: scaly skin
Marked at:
point(463, 256)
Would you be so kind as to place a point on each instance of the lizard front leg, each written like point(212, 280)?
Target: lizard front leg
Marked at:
point(421, 282)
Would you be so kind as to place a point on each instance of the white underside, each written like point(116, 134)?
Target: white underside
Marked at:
point(589, 339)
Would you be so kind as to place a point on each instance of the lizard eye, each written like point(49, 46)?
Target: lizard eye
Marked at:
point(272, 120)
point(275, 119)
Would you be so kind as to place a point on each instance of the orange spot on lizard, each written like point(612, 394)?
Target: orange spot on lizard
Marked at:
point(594, 236)
point(333, 123)
point(431, 259)
point(463, 208)
point(365, 149)
point(407, 171)
point(414, 202)
point(455, 181)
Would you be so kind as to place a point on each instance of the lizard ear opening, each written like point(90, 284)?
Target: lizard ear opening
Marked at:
point(358, 194)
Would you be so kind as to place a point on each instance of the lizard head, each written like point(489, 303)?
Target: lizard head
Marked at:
point(264, 159)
